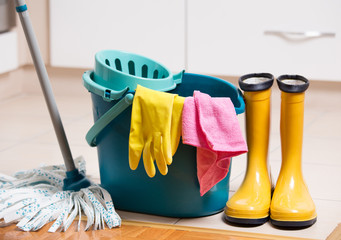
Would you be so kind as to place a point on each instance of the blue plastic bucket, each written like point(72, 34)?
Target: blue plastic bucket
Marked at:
point(176, 194)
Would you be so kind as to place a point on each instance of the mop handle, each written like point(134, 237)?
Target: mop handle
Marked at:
point(45, 84)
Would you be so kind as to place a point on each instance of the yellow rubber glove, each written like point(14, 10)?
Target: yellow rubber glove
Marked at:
point(152, 130)
point(176, 126)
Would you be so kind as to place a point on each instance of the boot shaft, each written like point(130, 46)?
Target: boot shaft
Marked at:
point(292, 120)
point(257, 95)
point(257, 124)
point(291, 128)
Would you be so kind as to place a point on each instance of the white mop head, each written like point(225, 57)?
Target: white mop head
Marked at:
point(35, 197)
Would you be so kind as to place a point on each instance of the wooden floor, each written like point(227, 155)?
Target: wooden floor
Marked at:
point(135, 231)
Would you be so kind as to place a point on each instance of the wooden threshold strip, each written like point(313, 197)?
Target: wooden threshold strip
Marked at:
point(211, 230)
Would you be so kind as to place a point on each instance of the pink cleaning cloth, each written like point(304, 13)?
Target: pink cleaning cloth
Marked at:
point(211, 125)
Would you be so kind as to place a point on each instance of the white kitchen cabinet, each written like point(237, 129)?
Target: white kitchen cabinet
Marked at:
point(153, 28)
point(8, 51)
point(228, 37)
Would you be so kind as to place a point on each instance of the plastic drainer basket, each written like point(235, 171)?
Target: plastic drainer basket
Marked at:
point(117, 72)
point(176, 194)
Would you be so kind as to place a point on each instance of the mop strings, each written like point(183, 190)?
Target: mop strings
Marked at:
point(35, 197)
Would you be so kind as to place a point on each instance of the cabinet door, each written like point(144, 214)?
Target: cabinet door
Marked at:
point(8, 51)
point(80, 28)
point(228, 37)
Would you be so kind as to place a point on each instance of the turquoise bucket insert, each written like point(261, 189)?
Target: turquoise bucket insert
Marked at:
point(118, 70)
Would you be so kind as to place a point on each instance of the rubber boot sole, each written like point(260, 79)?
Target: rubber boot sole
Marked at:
point(293, 224)
point(246, 222)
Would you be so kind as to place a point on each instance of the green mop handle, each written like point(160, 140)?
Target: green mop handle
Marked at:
point(45, 84)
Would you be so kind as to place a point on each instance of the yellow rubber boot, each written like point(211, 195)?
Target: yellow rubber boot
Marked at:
point(251, 203)
point(292, 205)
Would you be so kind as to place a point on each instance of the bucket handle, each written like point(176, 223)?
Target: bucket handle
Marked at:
point(102, 122)
point(117, 109)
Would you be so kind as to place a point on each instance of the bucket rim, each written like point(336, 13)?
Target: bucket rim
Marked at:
point(109, 94)
point(239, 95)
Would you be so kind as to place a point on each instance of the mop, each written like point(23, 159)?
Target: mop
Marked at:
point(36, 197)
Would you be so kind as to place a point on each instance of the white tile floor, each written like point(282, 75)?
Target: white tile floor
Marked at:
point(27, 140)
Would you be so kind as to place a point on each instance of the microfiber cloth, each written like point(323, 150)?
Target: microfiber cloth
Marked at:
point(211, 125)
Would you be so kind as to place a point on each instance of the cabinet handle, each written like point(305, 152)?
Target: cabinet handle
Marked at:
point(306, 34)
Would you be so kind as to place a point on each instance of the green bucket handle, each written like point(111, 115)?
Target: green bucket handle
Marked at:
point(110, 115)
point(109, 95)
